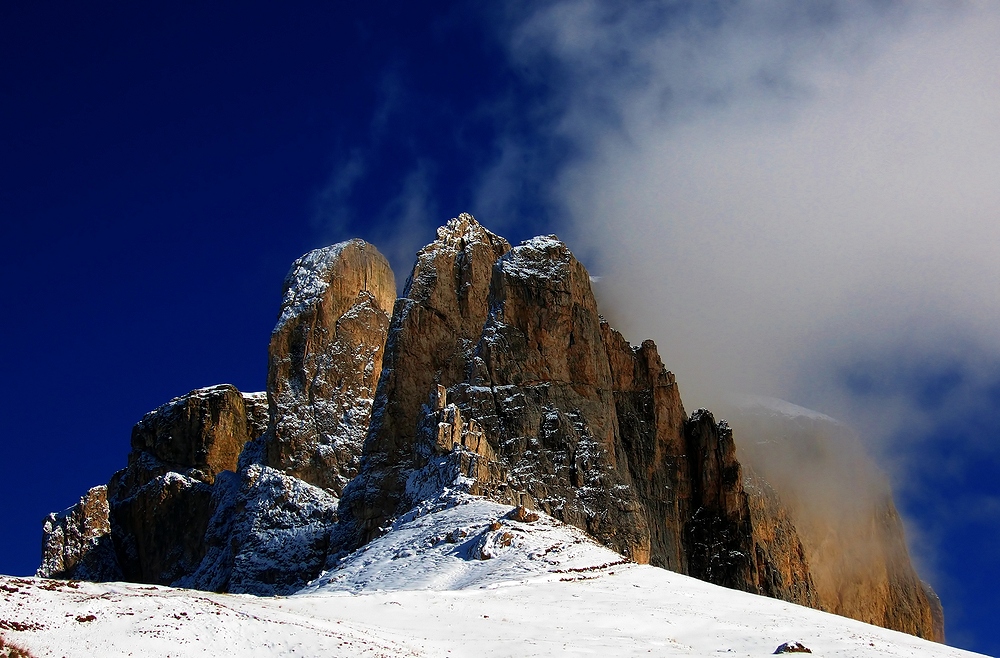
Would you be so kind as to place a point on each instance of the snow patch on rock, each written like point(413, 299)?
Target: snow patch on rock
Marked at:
point(307, 280)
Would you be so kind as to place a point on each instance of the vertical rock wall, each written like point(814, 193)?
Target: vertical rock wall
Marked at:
point(325, 358)
point(430, 340)
point(567, 417)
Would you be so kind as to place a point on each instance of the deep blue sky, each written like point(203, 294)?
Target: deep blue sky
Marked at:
point(162, 164)
point(161, 168)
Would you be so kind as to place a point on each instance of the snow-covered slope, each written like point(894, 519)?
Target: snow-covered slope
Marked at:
point(424, 589)
point(459, 542)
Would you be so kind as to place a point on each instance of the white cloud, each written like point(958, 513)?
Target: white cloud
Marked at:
point(782, 194)
point(761, 183)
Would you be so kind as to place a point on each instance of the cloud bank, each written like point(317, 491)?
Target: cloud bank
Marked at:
point(794, 199)
point(774, 186)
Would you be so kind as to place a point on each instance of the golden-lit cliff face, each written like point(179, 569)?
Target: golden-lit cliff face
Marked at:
point(843, 511)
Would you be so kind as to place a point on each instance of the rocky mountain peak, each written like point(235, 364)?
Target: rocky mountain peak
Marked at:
point(541, 258)
point(325, 358)
point(452, 274)
point(493, 376)
point(328, 280)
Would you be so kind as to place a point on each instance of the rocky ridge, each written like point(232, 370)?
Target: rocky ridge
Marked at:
point(495, 376)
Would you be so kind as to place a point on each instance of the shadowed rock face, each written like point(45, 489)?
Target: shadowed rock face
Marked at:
point(147, 524)
point(268, 534)
point(161, 502)
point(651, 422)
point(325, 358)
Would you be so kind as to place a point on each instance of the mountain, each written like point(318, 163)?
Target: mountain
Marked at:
point(492, 376)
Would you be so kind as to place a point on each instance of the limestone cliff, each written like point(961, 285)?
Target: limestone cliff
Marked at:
point(325, 358)
point(538, 402)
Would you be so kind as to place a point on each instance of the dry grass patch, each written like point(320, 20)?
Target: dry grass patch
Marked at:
point(9, 649)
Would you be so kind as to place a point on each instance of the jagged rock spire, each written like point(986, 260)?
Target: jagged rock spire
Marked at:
point(325, 358)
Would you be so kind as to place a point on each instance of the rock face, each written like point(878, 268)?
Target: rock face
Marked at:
point(850, 530)
point(783, 569)
point(161, 502)
point(522, 393)
point(147, 524)
point(494, 376)
point(325, 358)
point(434, 324)
point(198, 435)
point(237, 492)
point(77, 542)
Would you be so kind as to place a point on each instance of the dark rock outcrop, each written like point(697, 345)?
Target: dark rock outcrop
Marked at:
point(651, 421)
point(76, 543)
point(160, 504)
point(148, 524)
point(718, 532)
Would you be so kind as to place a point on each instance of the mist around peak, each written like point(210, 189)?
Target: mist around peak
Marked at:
point(798, 200)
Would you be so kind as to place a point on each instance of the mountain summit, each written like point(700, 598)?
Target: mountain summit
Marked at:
point(495, 377)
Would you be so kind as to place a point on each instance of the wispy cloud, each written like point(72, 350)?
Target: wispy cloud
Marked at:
point(332, 206)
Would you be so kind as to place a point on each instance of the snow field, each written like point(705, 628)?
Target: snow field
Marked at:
point(423, 589)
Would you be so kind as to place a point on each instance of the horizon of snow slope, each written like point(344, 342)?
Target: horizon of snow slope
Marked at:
point(458, 576)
